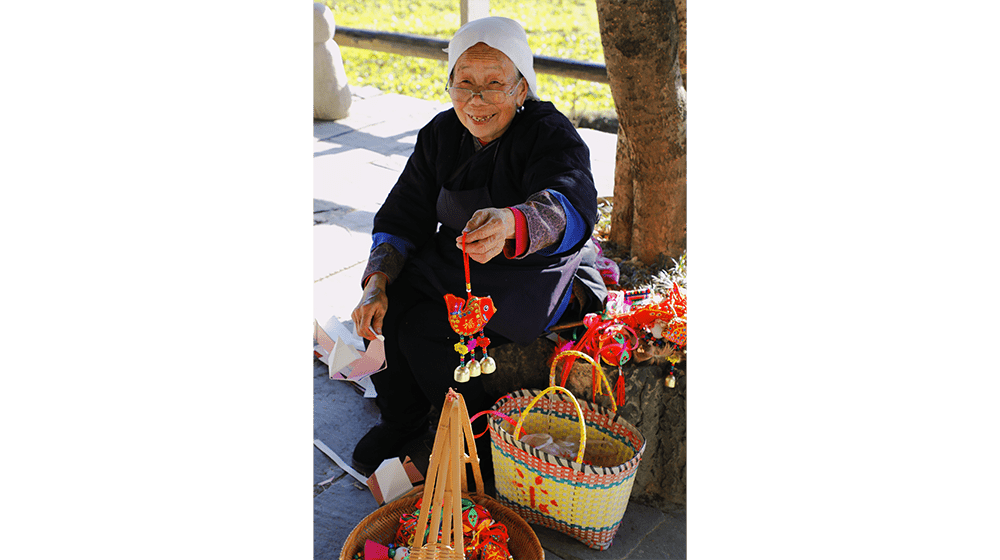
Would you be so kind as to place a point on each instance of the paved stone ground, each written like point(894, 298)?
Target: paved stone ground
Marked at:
point(356, 162)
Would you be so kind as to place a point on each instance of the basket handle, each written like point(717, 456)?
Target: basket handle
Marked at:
point(491, 413)
point(579, 412)
point(600, 370)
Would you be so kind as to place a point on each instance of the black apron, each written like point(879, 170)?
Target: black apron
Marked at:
point(526, 292)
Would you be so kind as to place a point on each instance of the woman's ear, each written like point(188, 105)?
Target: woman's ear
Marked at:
point(522, 92)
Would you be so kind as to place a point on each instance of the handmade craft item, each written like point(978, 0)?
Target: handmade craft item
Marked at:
point(584, 497)
point(468, 317)
point(614, 349)
point(440, 532)
point(633, 321)
point(483, 537)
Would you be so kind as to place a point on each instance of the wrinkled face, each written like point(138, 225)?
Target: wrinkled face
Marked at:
point(483, 67)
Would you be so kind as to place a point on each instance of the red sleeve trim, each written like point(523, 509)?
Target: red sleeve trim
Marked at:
point(521, 242)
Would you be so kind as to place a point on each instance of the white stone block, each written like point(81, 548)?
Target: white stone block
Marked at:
point(331, 92)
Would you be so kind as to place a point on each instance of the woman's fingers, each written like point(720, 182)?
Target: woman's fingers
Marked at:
point(479, 226)
point(486, 233)
point(377, 318)
point(477, 220)
point(369, 322)
point(485, 249)
point(370, 312)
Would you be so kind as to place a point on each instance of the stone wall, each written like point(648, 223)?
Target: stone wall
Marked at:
point(657, 411)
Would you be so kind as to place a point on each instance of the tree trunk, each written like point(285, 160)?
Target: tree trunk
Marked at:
point(642, 50)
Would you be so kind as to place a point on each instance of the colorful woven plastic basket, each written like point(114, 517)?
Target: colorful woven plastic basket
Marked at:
point(585, 501)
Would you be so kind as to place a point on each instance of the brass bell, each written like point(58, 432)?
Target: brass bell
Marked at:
point(462, 374)
point(671, 381)
point(488, 366)
point(474, 369)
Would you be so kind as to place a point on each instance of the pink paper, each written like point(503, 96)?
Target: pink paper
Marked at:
point(376, 551)
point(371, 361)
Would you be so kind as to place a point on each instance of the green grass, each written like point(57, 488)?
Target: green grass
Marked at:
point(558, 28)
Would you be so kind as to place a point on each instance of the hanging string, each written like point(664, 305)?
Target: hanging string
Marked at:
point(465, 257)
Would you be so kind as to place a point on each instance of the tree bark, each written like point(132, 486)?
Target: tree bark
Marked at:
point(642, 42)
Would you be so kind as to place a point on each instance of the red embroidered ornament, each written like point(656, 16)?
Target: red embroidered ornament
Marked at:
point(614, 350)
point(468, 317)
point(485, 538)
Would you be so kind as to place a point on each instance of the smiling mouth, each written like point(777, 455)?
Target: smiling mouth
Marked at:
point(481, 119)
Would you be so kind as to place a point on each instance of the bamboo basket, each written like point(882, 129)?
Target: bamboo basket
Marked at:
point(446, 482)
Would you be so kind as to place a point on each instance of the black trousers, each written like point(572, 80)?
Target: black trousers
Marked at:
point(421, 358)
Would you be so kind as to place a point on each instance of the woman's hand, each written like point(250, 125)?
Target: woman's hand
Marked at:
point(487, 231)
point(370, 312)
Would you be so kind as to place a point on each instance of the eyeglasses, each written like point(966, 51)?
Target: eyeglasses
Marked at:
point(491, 96)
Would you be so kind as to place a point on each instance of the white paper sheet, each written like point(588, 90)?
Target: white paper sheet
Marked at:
point(369, 387)
point(342, 356)
point(345, 355)
point(340, 462)
point(392, 479)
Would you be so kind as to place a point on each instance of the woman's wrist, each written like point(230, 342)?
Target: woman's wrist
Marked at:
point(376, 280)
point(510, 223)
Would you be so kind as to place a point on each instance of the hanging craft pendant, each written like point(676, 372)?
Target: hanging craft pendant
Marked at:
point(474, 369)
point(468, 317)
point(488, 366)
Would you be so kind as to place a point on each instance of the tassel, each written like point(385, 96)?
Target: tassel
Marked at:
point(620, 388)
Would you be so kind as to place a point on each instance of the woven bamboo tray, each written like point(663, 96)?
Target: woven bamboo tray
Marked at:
point(447, 457)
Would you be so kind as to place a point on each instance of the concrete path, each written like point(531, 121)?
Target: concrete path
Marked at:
point(356, 162)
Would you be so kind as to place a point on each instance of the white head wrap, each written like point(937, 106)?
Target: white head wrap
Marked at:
point(504, 35)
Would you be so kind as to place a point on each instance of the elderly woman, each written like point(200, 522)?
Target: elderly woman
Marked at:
point(511, 173)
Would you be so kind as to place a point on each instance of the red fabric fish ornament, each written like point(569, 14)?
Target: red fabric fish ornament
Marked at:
point(468, 317)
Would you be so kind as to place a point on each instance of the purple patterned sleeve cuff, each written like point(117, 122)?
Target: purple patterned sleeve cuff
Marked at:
point(546, 221)
point(386, 259)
